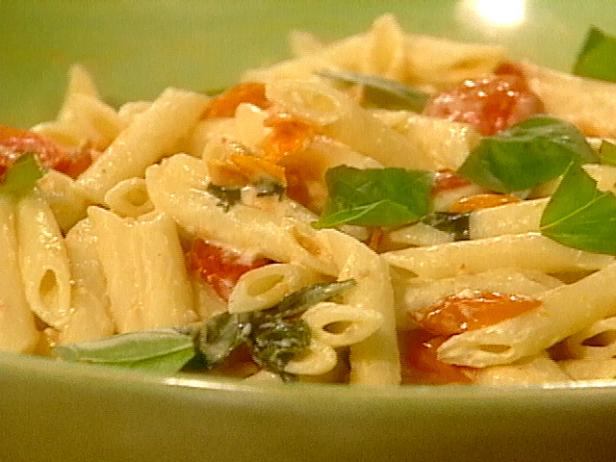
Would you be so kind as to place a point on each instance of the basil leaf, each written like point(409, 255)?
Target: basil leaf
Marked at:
point(220, 335)
point(164, 351)
point(380, 92)
point(21, 177)
point(579, 215)
point(227, 197)
point(304, 298)
point(375, 197)
point(607, 153)
point(276, 343)
point(597, 58)
point(456, 224)
point(526, 155)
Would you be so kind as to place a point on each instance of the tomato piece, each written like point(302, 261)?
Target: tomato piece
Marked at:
point(76, 163)
point(420, 363)
point(225, 104)
point(289, 135)
point(491, 104)
point(15, 142)
point(219, 267)
point(482, 201)
point(459, 313)
point(508, 68)
point(446, 180)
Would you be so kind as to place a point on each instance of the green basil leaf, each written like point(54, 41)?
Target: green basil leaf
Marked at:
point(456, 224)
point(526, 155)
point(227, 197)
point(276, 343)
point(303, 299)
point(380, 92)
point(597, 58)
point(375, 197)
point(220, 335)
point(164, 351)
point(578, 215)
point(21, 177)
point(607, 153)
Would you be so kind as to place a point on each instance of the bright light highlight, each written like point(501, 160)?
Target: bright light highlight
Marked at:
point(503, 13)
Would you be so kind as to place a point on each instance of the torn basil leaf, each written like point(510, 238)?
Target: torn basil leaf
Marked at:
point(607, 153)
point(381, 92)
point(227, 197)
point(456, 224)
point(526, 155)
point(220, 335)
point(21, 177)
point(375, 197)
point(597, 58)
point(275, 343)
point(164, 351)
point(578, 215)
point(303, 299)
point(272, 336)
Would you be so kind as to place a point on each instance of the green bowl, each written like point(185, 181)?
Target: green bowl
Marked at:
point(65, 412)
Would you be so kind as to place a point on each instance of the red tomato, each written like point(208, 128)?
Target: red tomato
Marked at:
point(491, 104)
point(225, 104)
point(456, 314)
point(15, 142)
point(445, 180)
point(219, 267)
point(421, 365)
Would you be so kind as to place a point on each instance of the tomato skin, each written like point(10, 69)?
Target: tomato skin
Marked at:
point(218, 267)
point(482, 201)
point(456, 314)
point(15, 142)
point(225, 104)
point(446, 180)
point(420, 364)
point(492, 104)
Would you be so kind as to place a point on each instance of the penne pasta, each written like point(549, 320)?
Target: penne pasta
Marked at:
point(144, 267)
point(90, 318)
point(564, 311)
point(43, 261)
point(528, 251)
point(17, 329)
point(151, 136)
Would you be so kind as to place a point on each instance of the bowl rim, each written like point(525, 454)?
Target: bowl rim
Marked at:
point(199, 389)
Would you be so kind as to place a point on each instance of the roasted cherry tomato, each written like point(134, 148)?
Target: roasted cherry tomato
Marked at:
point(225, 104)
point(420, 363)
point(458, 313)
point(219, 267)
point(15, 142)
point(491, 104)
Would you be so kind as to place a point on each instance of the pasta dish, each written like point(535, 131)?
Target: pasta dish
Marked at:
point(386, 209)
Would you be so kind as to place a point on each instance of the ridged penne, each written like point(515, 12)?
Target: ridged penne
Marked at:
point(17, 328)
point(263, 287)
point(90, 318)
point(563, 311)
point(43, 261)
point(144, 267)
point(528, 251)
point(178, 188)
point(153, 134)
